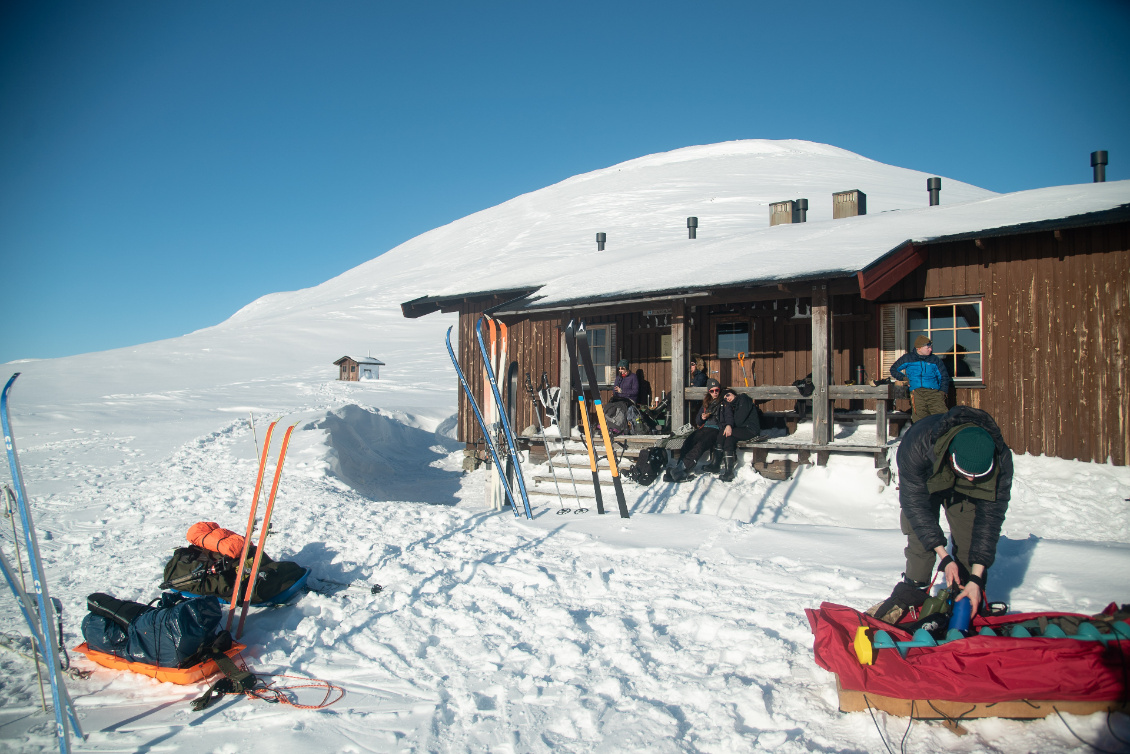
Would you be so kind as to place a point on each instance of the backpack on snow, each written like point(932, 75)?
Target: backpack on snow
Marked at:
point(198, 571)
point(175, 634)
point(648, 466)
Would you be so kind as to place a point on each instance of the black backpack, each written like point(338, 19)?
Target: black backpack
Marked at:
point(648, 466)
point(199, 571)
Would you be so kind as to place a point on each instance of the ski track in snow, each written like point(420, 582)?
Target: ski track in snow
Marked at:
point(492, 633)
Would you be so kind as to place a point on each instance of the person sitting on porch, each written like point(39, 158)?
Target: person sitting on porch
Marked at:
point(928, 377)
point(740, 419)
point(627, 385)
point(705, 436)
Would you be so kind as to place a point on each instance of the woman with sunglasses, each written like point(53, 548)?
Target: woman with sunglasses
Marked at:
point(703, 438)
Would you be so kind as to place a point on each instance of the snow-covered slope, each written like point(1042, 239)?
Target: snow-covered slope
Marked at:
point(669, 632)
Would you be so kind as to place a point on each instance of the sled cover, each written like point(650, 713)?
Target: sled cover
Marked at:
point(976, 669)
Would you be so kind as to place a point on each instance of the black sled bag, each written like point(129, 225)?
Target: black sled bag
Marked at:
point(175, 634)
point(203, 572)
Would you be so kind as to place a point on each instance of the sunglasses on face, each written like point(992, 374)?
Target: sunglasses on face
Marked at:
point(714, 390)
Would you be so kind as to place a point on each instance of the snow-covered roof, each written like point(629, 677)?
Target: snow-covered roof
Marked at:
point(823, 249)
point(544, 242)
point(366, 360)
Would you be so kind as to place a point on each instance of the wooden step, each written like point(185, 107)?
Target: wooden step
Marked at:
point(547, 481)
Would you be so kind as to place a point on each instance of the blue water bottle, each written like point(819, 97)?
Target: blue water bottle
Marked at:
point(962, 612)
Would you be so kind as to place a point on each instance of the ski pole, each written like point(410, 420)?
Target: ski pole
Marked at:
point(9, 498)
point(564, 447)
point(254, 434)
point(544, 441)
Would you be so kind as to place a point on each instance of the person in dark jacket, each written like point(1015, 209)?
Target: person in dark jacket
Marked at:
point(928, 377)
point(704, 438)
point(697, 378)
point(957, 462)
point(698, 372)
point(739, 419)
point(627, 385)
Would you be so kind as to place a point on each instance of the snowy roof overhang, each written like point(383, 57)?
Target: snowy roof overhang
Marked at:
point(873, 251)
point(368, 360)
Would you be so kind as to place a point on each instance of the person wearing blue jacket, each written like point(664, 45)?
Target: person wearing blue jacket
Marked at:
point(928, 377)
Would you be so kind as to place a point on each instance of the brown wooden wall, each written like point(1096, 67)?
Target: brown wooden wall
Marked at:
point(532, 343)
point(1056, 328)
point(1057, 332)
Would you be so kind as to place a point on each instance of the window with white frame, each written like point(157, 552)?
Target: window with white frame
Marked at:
point(955, 327)
point(602, 347)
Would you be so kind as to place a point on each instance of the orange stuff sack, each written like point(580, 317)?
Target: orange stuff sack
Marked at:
point(209, 535)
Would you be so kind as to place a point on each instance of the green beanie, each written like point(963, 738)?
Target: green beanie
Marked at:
point(973, 450)
point(623, 364)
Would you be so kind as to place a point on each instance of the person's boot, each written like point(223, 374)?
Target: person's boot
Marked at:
point(730, 472)
point(715, 464)
point(678, 473)
point(907, 593)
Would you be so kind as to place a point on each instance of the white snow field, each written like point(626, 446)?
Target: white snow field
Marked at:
point(679, 630)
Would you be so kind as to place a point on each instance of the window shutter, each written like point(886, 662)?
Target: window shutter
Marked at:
point(889, 350)
point(610, 368)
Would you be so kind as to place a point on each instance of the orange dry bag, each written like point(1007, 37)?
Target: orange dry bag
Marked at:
point(210, 536)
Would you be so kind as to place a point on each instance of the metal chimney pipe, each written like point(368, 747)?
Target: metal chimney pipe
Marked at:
point(1098, 162)
point(692, 227)
point(802, 210)
point(600, 239)
point(934, 188)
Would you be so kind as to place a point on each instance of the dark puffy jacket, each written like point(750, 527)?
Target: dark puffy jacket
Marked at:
point(922, 371)
point(916, 460)
point(740, 413)
point(629, 386)
point(712, 416)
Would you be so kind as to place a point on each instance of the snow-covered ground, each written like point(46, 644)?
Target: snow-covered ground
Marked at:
point(679, 630)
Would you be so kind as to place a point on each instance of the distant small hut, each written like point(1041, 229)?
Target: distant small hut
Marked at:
point(357, 370)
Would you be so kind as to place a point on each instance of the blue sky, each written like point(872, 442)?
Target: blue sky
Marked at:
point(163, 164)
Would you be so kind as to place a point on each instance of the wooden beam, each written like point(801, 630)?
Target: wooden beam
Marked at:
point(680, 363)
point(565, 380)
point(821, 361)
point(790, 393)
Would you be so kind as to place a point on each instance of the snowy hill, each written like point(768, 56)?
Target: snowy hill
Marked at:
point(670, 632)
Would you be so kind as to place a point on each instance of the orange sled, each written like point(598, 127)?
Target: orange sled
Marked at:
point(183, 676)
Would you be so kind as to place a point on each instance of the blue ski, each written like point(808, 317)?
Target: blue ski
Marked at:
point(64, 709)
point(482, 423)
point(507, 432)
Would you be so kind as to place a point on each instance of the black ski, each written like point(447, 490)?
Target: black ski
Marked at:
point(586, 358)
point(574, 365)
point(511, 412)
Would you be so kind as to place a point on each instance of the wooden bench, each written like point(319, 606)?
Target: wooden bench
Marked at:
point(881, 394)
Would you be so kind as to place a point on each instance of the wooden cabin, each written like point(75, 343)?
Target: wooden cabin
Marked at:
point(357, 370)
point(1025, 296)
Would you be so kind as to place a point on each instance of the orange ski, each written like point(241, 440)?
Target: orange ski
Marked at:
point(262, 534)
